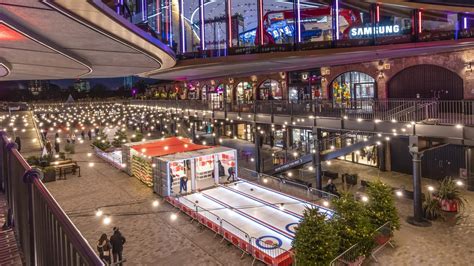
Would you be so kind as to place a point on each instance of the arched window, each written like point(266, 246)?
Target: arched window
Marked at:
point(244, 92)
point(270, 89)
point(352, 86)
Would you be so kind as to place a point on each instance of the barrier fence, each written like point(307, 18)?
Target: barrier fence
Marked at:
point(354, 255)
point(233, 234)
point(287, 186)
point(45, 234)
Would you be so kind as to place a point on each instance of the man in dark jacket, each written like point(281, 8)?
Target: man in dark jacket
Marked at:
point(117, 241)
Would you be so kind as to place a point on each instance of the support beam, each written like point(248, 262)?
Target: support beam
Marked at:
point(417, 153)
point(470, 168)
point(258, 157)
point(317, 136)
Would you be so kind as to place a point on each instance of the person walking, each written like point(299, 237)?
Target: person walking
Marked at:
point(231, 173)
point(117, 240)
point(83, 135)
point(89, 134)
point(73, 138)
point(104, 248)
point(18, 143)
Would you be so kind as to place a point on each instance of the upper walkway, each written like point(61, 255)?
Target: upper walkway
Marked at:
point(449, 121)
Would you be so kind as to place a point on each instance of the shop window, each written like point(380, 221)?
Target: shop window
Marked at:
point(270, 90)
point(396, 23)
point(438, 25)
point(352, 87)
point(244, 92)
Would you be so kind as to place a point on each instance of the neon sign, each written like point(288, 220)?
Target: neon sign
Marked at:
point(364, 32)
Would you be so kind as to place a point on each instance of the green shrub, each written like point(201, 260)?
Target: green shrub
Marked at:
point(119, 138)
point(353, 224)
point(381, 206)
point(137, 137)
point(33, 160)
point(316, 241)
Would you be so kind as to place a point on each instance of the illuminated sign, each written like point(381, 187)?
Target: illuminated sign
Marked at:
point(364, 32)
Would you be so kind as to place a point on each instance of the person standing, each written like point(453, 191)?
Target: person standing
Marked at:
point(83, 135)
point(18, 143)
point(117, 240)
point(73, 138)
point(104, 247)
point(89, 134)
point(56, 147)
point(49, 148)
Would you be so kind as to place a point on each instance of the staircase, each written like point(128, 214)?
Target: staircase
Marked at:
point(9, 252)
point(326, 155)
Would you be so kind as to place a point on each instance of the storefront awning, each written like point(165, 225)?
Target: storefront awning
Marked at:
point(168, 146)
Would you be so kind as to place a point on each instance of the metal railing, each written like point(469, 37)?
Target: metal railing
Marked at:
point(354, 255)
point(233, 234)
point(286, 186)
point(429, 111)
point(399, 110)
point(45, 234)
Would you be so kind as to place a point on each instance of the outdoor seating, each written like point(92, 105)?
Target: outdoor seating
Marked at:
point(66, 166)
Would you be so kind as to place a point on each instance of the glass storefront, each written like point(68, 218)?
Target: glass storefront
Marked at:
point(351, 86)
point(302, 139)
point(244, 92)
point(182, 24)
point(270, 90)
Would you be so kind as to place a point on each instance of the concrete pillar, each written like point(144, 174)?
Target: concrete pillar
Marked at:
point(317, 158)
point(258, 157)
point(470, 168)
point(417, 201)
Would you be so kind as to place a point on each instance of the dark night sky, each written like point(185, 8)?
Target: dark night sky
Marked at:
point(111, 83)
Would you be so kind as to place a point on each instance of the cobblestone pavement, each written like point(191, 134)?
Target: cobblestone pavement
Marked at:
point(152, 237)
point(441, 244)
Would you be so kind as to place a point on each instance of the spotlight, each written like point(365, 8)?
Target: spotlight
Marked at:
point(107, 220)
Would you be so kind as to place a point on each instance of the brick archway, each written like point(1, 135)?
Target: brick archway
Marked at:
point(426, 81)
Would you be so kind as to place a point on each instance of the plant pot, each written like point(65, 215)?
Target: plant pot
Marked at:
point(449, 205)
point(49, 176)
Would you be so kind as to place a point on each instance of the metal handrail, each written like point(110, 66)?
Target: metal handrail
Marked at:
point(47, 224)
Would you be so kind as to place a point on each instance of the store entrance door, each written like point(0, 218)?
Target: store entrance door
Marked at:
point(216, 100)
point(362, 92)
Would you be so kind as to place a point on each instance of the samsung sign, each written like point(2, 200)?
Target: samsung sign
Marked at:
point(367, 32)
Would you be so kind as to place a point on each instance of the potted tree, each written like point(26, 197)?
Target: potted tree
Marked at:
point(449, 196)
point(316, 240)
point(354, 226)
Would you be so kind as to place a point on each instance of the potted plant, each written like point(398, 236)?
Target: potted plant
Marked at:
point(49, 174)
point(431, 208)
point(449, 196)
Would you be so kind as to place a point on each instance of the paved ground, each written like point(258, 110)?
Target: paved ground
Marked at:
point(154, 239)
point(440, 244)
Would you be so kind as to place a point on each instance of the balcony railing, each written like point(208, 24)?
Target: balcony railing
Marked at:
point(396, 110)
point(45, 234)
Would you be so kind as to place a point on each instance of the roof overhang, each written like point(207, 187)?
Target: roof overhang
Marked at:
point(71, 39)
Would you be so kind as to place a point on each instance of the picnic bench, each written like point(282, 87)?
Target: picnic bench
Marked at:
point(66, 166)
